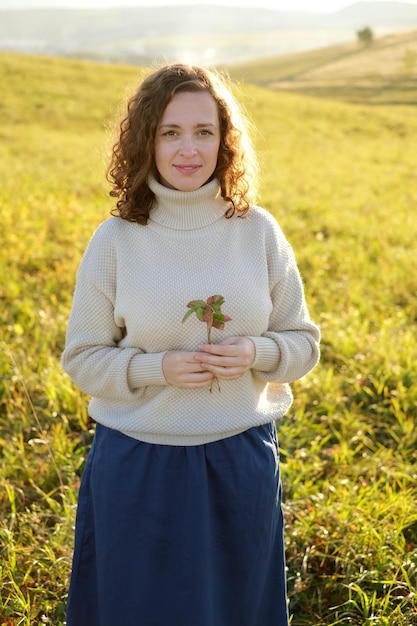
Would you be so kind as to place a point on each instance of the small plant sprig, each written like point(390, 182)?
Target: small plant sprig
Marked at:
point(209, 312)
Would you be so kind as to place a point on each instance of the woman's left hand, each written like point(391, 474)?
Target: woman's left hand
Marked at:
point(229, 359)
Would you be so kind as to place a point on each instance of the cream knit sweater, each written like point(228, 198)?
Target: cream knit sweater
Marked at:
point(132, 288)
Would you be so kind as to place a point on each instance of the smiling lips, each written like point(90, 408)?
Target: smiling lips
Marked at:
point(187, 169)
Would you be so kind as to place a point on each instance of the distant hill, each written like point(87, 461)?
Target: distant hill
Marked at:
point(384, 72)
point(207, 34)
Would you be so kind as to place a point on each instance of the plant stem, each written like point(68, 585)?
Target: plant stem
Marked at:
point(209, 341)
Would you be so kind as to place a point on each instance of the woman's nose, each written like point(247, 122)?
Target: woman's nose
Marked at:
point(188, 146)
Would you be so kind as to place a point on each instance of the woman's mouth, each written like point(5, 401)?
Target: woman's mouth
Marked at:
point(187, 169)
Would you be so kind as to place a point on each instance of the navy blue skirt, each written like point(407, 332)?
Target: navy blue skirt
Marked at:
point(179, 535)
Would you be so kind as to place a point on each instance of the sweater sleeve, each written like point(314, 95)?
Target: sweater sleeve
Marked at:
point(93, 357)
point(289, 348)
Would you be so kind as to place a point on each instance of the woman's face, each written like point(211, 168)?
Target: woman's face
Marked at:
point(187, 141)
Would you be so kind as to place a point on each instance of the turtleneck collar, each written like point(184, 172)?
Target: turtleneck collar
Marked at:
point(187, 210)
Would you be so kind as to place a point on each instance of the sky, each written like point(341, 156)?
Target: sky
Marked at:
point(282, 5)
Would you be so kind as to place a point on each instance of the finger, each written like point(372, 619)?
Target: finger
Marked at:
point(195, 381)
point(226, 373)
point(241, 360)
point(215, 360)
point(202, 373)
point(218, 349)
point(215, 355)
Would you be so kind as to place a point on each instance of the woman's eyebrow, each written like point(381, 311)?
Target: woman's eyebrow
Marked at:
point(199, 125)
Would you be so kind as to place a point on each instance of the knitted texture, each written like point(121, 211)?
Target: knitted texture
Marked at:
point(132, 288)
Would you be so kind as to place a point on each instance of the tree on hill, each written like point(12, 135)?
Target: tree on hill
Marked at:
point(365, 36)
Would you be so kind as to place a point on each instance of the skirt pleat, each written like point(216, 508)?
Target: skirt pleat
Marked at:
point(179, 535)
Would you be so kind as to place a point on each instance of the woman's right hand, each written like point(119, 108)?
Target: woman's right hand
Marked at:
point(182, 370)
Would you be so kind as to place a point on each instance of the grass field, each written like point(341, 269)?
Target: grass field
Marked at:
point(340, 178)
point(384, 72)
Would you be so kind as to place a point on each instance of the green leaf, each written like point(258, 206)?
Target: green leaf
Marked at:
point(218, 300)
point(196, 304)
point(208, 315)
point(190, 312)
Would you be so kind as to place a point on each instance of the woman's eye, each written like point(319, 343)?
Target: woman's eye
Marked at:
point(205, 131)
point(169, 133)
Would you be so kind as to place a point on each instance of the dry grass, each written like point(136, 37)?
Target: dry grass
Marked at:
point(384, 72)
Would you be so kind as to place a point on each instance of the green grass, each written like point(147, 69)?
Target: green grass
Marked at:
point(340, 178)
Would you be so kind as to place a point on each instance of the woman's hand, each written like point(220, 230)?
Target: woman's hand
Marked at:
point(229, 359)
point(181, 369)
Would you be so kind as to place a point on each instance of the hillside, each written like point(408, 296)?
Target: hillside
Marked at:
point(206, 34)
point(384, 72)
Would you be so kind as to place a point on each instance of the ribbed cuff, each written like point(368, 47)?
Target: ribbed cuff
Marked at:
point(146, 369)
point(267, 354)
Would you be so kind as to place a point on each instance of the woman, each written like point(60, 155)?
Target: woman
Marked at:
point(179, 516)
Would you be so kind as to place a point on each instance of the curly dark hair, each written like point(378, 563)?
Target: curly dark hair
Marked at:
point(133, 160)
